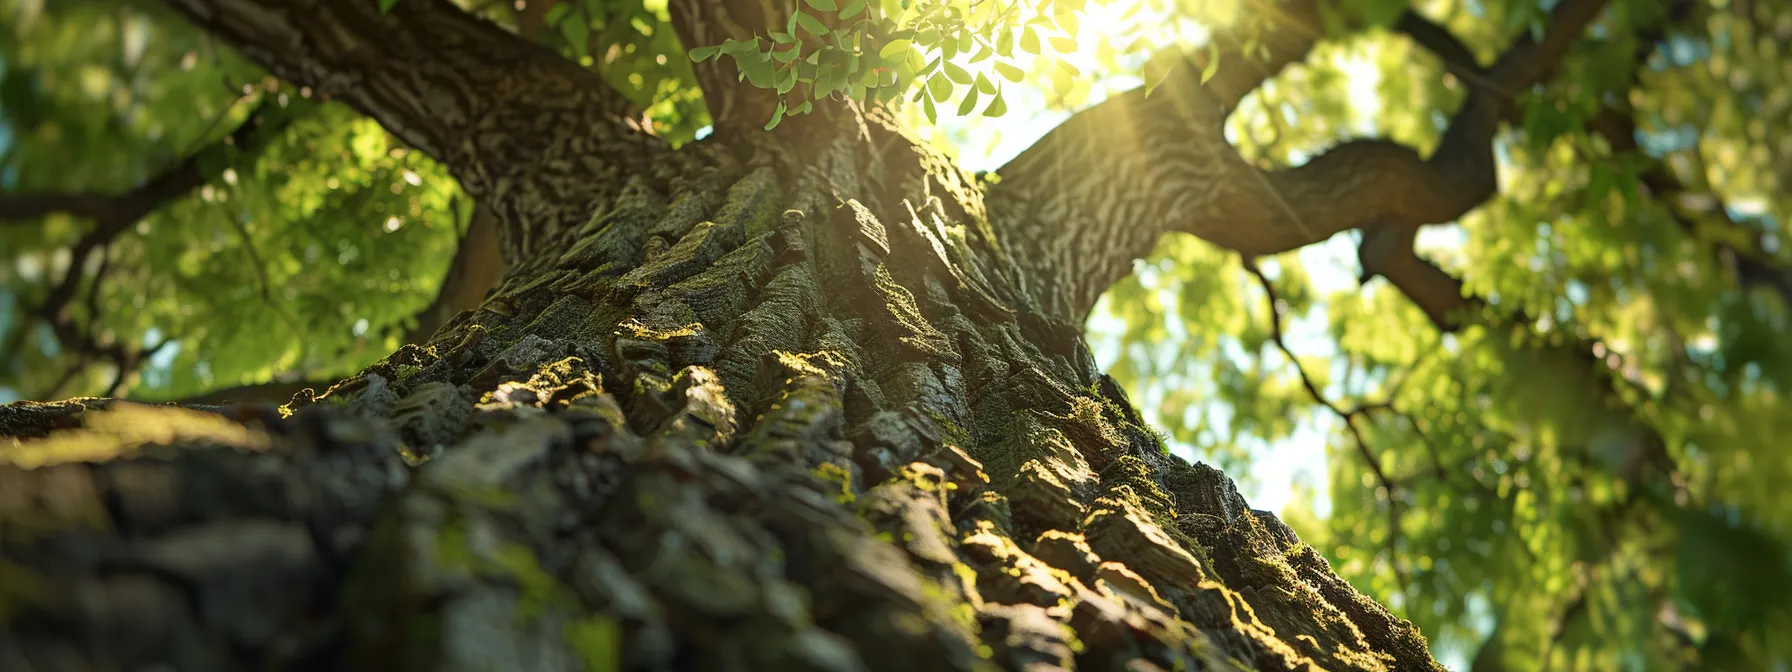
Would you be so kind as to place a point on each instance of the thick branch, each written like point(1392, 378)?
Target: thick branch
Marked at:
point(1439, 41)
point(1162, 163)
point(1383, 184)
point(440, 79)
point(523, 129)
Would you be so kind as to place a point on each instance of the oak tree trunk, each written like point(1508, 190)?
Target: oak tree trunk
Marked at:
point(787, 402)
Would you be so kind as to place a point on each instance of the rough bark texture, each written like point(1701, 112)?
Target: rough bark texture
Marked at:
point(740, 425)
point(768, 402)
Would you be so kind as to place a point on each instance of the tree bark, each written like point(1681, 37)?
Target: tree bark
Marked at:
point(773, 402)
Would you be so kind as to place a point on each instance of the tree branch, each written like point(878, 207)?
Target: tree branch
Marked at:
point(118, 213)
point(427, 71)
point(1439, 41)
point(1390, 255)
point(273, 393)
point(521, 127)
point(1388, 486)
point(1286, 33)
point(1163, 164)
point(1377, 183)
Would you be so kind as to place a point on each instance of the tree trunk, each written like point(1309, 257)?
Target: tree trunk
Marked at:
point(782, 402)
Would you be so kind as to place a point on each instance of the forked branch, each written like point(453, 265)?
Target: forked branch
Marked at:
point(1119, 175)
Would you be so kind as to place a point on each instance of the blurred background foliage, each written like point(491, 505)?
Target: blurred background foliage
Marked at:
point(1588, 475)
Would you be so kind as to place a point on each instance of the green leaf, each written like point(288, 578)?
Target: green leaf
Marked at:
point(957, 73)
point(895, 50)
point(939, 87)
point(1066, 20)
point(969, 104)
point(811, 24)
point(823, 5)
point(984, 85)
point(386, 5)
point(927, 106)
point(556, 13)
point(701, 54)
point(736, 48)
point(763, 74)
point(786, 79)
point(997, 107)
point(1010, 72)
point(1062, 80)
point(1064, 45)
point(1158, 69)
point(777, 116)
point(577, 33)
point(1029, 41)
point(852, 8)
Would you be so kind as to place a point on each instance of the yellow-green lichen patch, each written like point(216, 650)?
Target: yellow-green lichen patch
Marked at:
point(539, 589)
point(598, 641)
point(838, 478)
point(638, 329)
point(1129, 478)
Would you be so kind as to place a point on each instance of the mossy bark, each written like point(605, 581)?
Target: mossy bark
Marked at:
point(775, 409)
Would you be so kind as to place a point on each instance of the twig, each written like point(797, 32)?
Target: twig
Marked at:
point(1362, 446)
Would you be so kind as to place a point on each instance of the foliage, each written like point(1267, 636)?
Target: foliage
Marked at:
point(1498, 485)
point(1513, 517)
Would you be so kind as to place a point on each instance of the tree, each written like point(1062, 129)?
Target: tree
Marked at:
point(801, 392)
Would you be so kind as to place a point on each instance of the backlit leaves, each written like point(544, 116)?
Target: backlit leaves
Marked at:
point(1516, 527)
point(881, 50)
